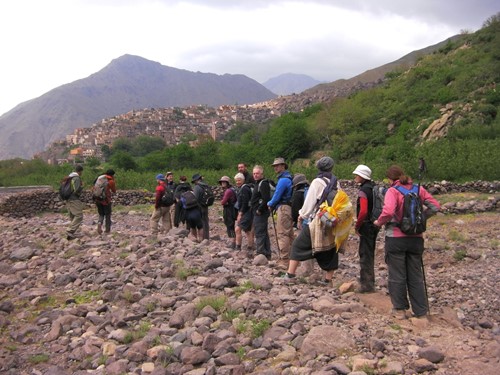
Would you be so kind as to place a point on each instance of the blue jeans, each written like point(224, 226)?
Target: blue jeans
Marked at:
point(403, 256)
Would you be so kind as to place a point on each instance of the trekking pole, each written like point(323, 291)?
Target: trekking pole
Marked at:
point(425, 287)
point(276, 234)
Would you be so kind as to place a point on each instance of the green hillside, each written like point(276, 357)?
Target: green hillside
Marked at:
point(386, 124)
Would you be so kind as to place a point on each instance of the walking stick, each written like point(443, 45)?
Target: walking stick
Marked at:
point(425, 287)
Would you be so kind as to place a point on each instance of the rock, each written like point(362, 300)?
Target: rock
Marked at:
point(432, 354)
point(422, 365)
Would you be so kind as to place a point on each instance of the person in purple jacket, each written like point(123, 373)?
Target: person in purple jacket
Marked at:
point(403, 252)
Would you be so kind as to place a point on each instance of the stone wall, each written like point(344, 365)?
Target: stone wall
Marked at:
point(16, 203)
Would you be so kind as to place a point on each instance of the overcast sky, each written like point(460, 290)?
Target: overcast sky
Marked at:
point(48, 43)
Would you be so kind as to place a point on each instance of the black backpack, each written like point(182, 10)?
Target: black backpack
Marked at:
point(207, 197)
point(65, 189)
point(413, 221)
point(378, 194)
point(188, 200)
point(168, 199)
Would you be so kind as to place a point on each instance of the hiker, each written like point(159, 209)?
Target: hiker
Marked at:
point(179, 212)
point(244, 220)
point(193, 214)
point(242, 168)
point(403, 252)
point(170, 184)
point(199, 186)
point(364, 228)
point(299, 189)
point(229, 213)
point(302, 247)
point(260, 196)
point(422, 167)
point(74, 205)
point(104, 205)
point(300, 186)
point(161, 212)
point(281, 202)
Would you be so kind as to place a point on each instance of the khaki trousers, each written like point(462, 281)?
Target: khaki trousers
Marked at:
point(75, 210)
point(163, 214)
point(284, 230)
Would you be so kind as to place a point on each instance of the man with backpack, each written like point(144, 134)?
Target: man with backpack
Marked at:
point(205, 197)
point(244, 219)
point(102, 199)
point(180, 212)
point(171, 185)
point(300, 185)
point(404, 217)
point(281, 202)
point(161, 210)
point(73, 203)
point(365, 229)
point(260, 196)
point(323, 187)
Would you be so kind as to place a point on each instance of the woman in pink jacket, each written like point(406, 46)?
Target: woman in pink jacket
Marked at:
point(403, 252)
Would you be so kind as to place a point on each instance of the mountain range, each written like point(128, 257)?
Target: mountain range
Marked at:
point(290, 83)
point(128, 82)
point(132, 82)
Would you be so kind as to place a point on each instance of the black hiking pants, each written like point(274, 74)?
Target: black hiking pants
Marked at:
point(403, 256)
point(367, 242)
point(262, 241)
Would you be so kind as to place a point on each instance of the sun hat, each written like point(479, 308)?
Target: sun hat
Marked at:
point(278, 161)
point(363, 171)
point(298, 179)
point(196, 177)
point(225, 179)
point(160, 177)
point(325, 164)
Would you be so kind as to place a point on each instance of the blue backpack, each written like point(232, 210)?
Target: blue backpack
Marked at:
point(413, 221)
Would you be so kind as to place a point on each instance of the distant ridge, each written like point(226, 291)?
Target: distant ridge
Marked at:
point(290, 83)
point(128, 82)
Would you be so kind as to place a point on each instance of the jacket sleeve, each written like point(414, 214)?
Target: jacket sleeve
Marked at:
point(431, 204)
point(363, 211)
point(158, 194)
point(282, 185)
point(226, 198)
point(390, 205)
point(245, 196)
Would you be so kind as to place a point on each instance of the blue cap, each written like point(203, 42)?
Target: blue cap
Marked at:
point(160, 177)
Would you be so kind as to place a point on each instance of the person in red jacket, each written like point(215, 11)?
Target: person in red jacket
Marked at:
point(403, 252)
point(104, 206)
point(365, 229)
point(161, 211)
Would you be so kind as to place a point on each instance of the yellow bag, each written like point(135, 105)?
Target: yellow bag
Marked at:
point(342, 210)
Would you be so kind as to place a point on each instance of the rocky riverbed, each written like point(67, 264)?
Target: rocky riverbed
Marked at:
point(127, 303)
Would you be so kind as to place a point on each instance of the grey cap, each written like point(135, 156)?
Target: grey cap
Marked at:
point(325, 164)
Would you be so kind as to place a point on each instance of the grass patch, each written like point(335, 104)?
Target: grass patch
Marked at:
point(216, 302)
point(460, 255)
point(38, 358)
point(182, 272)
point(244, 287)
point(87, 297)
point(395, 327)
point(252, 327)
point(229, 314)
point(70, 253)
point(462, 197)
point(457, 236)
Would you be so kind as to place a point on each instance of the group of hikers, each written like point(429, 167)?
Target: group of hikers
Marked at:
point(319, 211)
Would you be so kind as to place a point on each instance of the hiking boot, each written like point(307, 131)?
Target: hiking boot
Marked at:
point(99, 228)
point(70, 236)
point(399, 314)
point(365, 289)
point(288, 276)
point(325, 282)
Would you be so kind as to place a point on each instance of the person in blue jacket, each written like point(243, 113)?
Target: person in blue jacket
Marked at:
point(281, 202)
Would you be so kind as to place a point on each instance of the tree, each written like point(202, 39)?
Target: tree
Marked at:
point(123, 160)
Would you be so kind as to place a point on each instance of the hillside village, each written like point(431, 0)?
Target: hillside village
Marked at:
point(174, 125)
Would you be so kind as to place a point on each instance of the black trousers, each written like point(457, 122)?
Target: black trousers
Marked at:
point(104, 211)
point(262, 241)
point(403, 256)
point(367, 242)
